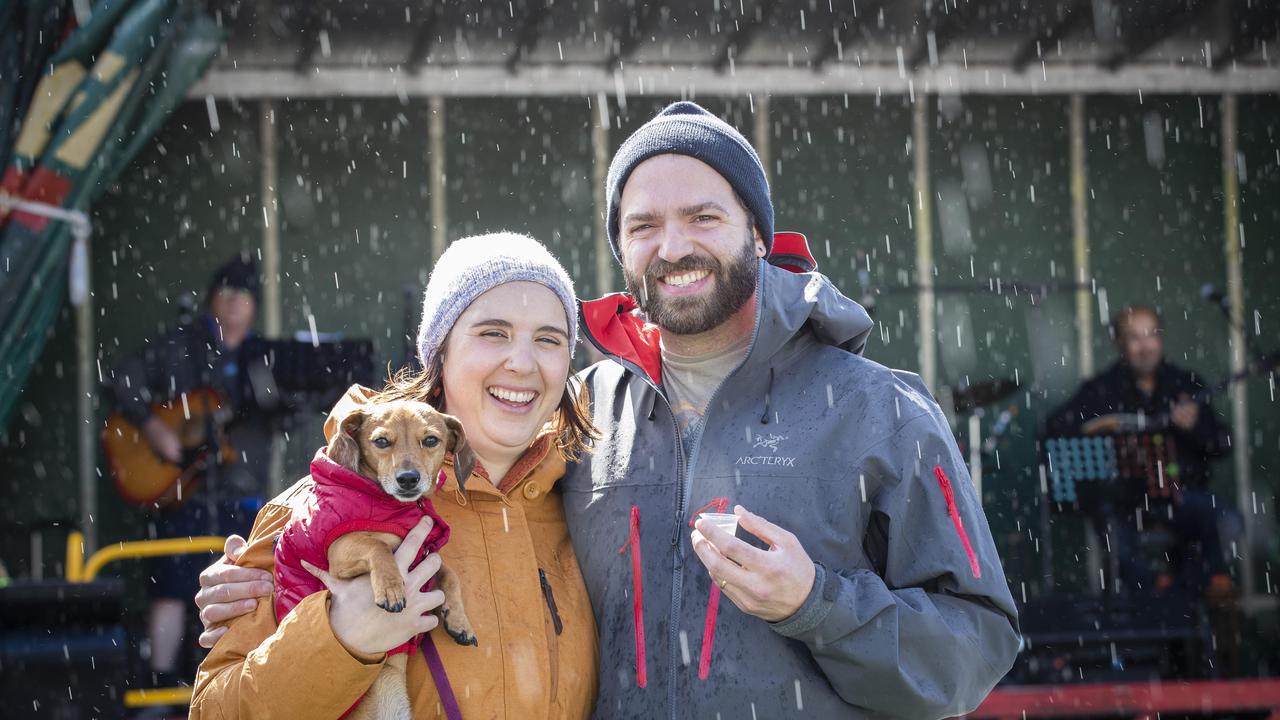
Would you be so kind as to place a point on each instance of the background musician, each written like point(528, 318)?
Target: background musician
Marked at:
point(200, 353)
point(1143, 392)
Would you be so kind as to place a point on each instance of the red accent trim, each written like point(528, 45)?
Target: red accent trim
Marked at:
point(719, 504)
point(1143, 699)
point(954, 512)
point(709, 631)
point(615, 326)
point(637, 597)
point(792, 246)
point(44, 186)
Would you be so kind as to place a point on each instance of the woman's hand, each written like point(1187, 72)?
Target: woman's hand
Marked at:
point(366, 629)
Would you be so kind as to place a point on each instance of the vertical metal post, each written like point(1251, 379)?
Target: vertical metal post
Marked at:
point(761, 135)
point(86, 391)
point(1235, 291)
point(272, 322)
point(272, 306)
point(599, 175)
point(1082, 273)
point(1080, 238)
point(435, 155)
point(923, 220)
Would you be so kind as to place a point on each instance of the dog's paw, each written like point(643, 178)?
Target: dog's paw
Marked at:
point(459, 629)
point(391, 597)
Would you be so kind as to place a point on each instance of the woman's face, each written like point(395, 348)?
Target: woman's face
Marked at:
point(506, 362)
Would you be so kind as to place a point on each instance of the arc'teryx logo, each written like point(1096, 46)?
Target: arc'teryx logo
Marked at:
point(769, 442)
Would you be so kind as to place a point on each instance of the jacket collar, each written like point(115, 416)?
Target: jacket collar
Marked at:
point(540, 462)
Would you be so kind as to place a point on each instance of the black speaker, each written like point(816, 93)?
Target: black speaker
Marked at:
point(63, 650)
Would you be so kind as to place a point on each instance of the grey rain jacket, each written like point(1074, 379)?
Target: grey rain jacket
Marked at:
point(910, 615)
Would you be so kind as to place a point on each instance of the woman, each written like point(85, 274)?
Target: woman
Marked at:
point(498, 331)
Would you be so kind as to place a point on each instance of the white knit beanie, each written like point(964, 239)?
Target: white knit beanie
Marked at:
point(472, 266)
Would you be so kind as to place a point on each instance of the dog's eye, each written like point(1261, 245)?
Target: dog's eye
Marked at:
point(430, 441)
point(381, 443)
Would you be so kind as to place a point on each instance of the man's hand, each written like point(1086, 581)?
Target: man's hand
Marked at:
point(162, 439)
point(772, 584)
point(1185, 413)
point(367, 629)
point(228, 591)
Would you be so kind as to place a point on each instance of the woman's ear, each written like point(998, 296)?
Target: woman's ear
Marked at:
point(464, 460)
point(345, 449)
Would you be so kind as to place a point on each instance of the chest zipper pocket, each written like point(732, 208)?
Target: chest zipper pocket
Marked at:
point(553, 643)
point(551, 601)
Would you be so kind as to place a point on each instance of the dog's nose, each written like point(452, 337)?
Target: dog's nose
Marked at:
point(408, 478)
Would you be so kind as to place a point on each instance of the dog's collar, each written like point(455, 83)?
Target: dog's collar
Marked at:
point(440, 480)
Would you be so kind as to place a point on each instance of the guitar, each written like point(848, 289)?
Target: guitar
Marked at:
point(146, 479)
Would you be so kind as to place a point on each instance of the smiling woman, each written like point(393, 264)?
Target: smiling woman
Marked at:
point(499, 327)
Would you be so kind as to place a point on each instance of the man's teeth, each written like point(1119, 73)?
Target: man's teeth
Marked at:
point(686, 278)
point(521, 397)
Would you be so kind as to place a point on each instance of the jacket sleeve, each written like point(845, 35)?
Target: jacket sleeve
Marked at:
point(299, 669)
point(930, 628)
point(135, 382)
point(1209, 436)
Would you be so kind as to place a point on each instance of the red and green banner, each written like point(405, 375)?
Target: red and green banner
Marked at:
point(103, 91)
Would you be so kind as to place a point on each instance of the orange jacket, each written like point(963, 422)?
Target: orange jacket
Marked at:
point(503, 542)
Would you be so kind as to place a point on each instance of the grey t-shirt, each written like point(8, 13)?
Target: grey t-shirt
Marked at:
point(690, 380)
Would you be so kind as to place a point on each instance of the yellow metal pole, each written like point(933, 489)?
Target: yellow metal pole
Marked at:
point(75, 555)
point(148, 548)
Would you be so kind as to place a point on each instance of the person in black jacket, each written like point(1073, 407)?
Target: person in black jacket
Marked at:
point(1142, 391)
point(199, 353)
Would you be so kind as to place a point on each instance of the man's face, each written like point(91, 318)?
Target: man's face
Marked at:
point(1141, 343)
point(688, 247)
point(234, 310)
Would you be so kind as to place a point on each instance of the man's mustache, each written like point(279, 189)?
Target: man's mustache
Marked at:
point(661, 268)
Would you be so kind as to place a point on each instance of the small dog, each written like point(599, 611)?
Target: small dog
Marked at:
point(398, 449)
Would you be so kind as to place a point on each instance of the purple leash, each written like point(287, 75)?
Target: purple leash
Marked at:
point(438, 675)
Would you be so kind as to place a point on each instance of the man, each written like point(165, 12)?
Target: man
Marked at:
point(198, 354)
point(734, 383)
point(1143, 391)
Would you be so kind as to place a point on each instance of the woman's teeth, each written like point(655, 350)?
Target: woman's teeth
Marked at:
point(686, 278)
point(513, 396)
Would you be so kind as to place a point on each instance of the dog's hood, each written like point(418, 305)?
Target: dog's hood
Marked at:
point(786, 304)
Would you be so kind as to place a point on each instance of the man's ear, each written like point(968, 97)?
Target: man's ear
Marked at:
point(464, 460)
point(345, 449)
point(761, 250)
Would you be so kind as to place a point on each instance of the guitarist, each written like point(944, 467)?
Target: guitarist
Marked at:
point(1165, 398)
point(200, 353)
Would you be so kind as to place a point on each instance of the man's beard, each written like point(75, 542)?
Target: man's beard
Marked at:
point(735, 281)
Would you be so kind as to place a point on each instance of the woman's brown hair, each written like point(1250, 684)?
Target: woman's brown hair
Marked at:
point(571, 422)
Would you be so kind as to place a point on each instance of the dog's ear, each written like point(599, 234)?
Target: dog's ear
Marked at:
point(345, 449)
point(464, 460)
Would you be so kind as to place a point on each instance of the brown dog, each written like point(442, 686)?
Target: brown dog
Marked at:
point(400, 446)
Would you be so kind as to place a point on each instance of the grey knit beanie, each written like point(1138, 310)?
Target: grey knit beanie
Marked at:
point(685, 128)
point(472, 266)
